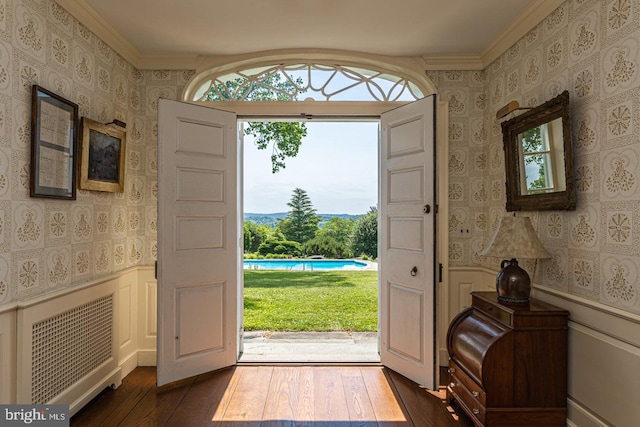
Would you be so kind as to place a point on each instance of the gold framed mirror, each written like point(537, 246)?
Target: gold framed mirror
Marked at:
point(539, 158)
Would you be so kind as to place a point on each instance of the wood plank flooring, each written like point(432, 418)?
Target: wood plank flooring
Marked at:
point(269, 396)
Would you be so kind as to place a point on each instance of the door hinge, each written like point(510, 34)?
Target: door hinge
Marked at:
point(435, 208)
point(440, 273)
point(155, 271)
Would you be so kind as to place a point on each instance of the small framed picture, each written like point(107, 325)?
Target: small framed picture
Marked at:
point(54, 140)
point(102, 156)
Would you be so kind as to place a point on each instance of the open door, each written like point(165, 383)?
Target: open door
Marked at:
point(197, 240)
point(407, 242)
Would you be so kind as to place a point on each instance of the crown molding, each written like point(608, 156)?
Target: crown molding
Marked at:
point(90, 18)
point(521, 26)
point(453, 62)
point(168, 62)
point(85, 14)
point(531, 17)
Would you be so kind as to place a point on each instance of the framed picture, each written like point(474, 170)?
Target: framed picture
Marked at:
point(54, 141)
point(102, 155)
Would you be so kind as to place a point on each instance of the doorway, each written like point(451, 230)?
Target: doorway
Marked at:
point(337, 169)
point(196, 143)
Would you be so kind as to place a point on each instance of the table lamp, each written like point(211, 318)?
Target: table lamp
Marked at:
point(514, 238)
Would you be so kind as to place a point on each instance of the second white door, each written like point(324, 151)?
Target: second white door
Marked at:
point(407, 242)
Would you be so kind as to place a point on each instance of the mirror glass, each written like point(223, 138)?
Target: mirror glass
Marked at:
point(538, 158)
point(542, 158)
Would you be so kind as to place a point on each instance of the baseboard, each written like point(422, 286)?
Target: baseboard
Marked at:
point(114, 379)
point(147, 358)
point(129, 363)
point(579, 416)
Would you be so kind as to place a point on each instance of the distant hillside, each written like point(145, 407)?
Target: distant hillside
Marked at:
point(272, 218)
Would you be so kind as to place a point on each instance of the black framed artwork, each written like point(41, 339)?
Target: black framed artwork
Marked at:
point(54, 141)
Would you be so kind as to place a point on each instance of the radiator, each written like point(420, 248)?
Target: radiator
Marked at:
point(68, 347)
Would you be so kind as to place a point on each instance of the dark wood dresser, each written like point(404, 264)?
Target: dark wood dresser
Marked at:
point(508, 362)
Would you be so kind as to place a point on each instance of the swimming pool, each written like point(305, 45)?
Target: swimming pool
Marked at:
point(304, 264)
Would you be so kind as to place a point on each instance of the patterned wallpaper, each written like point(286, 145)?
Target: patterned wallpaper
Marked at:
point(47, 245)
point(589, 47)
point(592, 49)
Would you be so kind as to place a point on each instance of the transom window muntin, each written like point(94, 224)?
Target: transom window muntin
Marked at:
point(308, 81)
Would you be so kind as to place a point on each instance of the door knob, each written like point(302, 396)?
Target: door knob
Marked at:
point(414, 270)
point(426, 209)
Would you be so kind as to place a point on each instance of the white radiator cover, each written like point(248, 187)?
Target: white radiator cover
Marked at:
point(67, 347)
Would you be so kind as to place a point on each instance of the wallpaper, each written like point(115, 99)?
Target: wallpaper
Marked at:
point(589, 47)
point(45, 244)
point(592, 49)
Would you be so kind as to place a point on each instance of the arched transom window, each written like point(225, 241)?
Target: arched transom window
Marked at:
point(306, 81)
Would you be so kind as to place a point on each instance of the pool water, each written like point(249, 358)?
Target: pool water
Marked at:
point(303, 264)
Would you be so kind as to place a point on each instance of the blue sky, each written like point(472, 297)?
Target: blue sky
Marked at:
point(337, 166)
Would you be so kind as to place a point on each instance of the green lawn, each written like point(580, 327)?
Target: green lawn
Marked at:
point(311, 301)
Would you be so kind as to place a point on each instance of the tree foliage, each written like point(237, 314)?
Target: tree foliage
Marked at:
point(285, 138)
point(326, 246)
point(365, 235)
point(301, 223)
point(254, 235)
point(532, 143)
point(280, 247)
point(339, 229)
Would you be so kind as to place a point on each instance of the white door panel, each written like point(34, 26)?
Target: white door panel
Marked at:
point(197, 235)
point(407, 242)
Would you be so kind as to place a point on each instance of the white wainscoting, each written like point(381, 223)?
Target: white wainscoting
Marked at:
point(137, 319)
point(8, 353)
point(462, 281)
point(127, 310)
point(147, 317)
point(604, 361)
point(604, 350)
point(131, 292)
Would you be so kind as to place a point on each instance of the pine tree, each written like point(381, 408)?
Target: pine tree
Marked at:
point(301, 223)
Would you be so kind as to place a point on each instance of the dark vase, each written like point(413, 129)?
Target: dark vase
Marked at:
point(513, 283)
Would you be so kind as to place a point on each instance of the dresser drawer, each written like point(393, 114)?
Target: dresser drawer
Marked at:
point(459, 376)
point(466, 399)
point(493, 310)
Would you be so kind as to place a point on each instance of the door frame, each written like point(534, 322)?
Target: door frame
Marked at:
point(353, 111)
point(308, 110)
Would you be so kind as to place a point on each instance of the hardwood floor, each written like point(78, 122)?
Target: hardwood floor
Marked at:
point(313, 396)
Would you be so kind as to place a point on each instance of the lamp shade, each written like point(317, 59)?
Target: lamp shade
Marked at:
point(515, 238)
